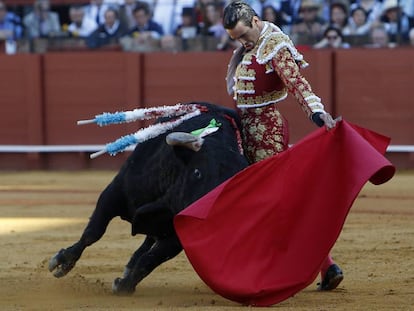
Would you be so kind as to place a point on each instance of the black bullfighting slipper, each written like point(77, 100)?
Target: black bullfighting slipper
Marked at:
point(332, 278)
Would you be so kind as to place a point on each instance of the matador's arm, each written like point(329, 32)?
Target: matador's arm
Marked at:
point(287, 69)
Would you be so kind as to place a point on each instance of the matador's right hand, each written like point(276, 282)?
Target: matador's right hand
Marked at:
point(330, 122)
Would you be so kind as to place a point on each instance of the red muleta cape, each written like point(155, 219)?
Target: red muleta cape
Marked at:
point(261, 236)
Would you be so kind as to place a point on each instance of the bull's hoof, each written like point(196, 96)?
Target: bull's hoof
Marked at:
point(121, 287)
point(61, 263)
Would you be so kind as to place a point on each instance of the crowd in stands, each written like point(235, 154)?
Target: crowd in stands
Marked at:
point(174, 25)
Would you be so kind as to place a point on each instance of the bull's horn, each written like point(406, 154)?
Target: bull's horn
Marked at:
point(184, 139)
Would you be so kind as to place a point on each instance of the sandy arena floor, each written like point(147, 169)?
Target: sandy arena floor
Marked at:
point(42, 212)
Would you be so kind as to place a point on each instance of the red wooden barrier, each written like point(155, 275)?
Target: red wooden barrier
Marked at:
point(82, 85)
point(374, 89)
point(42, 96)
point(185, 77)
point(21, 107)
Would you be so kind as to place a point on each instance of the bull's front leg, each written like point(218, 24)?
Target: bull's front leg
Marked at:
point(145, 247)
point(64, 260)
point(161, 251)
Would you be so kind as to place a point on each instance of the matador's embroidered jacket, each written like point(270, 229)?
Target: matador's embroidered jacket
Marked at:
point(269, 71)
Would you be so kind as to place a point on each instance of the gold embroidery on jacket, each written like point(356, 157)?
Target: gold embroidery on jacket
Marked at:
point(269, 67)
point(245, 73)
point(268, 98)
point(244, 87)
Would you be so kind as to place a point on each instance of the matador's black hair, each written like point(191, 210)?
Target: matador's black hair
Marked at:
point(238, 11)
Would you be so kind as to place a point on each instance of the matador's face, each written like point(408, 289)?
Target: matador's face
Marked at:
point(246, 35)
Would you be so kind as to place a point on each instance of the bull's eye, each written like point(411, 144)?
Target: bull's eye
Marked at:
point(197, 173)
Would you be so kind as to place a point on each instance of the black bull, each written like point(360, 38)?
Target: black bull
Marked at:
point(155, 183)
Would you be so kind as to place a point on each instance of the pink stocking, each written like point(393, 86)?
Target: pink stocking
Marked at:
point(326, 264)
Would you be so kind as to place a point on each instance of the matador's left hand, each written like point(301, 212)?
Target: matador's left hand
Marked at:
point(330, 123)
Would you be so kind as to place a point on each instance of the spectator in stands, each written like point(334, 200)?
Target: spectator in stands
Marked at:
point(332, 39)
point(358, 23)
point(310, 27)
point(291, 10)
point(96, 9)
point(126, 13)
point(259, 5)
point(10, 24)
point(338, 16)
point(373, 8)
point(189, 27)
point(117, 3)
point(411, 36)
point(109, 32)
point(200, 9)
point(146, 34)
point(168, 13)
point(213, 25)
point(152, 4)
point(396, 22)
point(145, 27)
point(379, 38)
point(408, 7)
point(271, 14)
point(42, 22)
point(80, 25)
